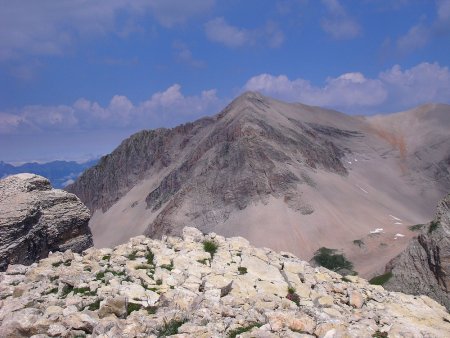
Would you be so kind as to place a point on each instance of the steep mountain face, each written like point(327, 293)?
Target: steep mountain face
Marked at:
point(174, 287)
point(35, 219)
point(285, 176)
point(424, 267)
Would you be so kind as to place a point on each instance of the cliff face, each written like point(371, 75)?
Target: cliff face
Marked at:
point(36, 219)
point(202, 286)
point(424, 267)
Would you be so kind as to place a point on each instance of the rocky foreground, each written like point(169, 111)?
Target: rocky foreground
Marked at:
point(202, 286)
point(36, 219)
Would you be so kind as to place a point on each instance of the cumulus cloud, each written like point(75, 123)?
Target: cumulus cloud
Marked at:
point(46, 27)
point(394, 89)
point(220, 31)
point(162, 108)
point(338, 23)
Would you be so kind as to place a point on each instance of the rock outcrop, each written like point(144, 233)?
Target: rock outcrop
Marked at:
point(424, 267)
point(202, 286)
point(36, 219)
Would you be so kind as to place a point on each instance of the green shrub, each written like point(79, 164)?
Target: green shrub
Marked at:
point(433, 226)
point(416, 227)
point(159, 282)
point(106, 257)
point(203, 261)
point(293, 296)
point(56, 264)
point(170, 328)
point(382, 279)
point(379, 334)
point(149, 257)
point(95, 305)
point(167, 266)
point(331, 260)
point(100, 275)
point(133, 307)
point(234, 333)
point(132, 256)
point(242, 270)
point(211, 247)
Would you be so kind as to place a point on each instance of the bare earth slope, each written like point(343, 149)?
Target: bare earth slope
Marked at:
point(286, 176)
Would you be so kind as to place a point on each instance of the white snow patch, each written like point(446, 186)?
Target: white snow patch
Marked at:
point(356, 160)
point(349, 162)
point(376, 231)
point(398, 223)
point(363, 189)
point(398, 235)
point(395, 218)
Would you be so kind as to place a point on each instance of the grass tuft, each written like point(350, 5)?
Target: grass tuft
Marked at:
point(234, 333)
point(382, 279)
point(242, 270)
point(211, 247)
point(170, 328)
point(330, 259)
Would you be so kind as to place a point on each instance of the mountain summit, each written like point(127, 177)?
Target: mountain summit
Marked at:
point(286, 176)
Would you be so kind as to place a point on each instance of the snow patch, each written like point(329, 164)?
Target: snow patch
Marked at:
point(376, 231)
point(363, 189)
point(395, 218)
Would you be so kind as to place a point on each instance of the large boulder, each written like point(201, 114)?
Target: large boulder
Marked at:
point(36, 219)
point(424, 267)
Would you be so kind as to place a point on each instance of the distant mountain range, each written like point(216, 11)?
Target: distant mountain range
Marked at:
point(60, 173)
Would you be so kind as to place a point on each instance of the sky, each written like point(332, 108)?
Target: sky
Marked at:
point(79, 76)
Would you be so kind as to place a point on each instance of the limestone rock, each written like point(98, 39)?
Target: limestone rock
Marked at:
point(103, 293)
point(36, 219)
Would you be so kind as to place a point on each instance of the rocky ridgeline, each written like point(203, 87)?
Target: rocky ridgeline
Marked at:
point(36, 219)
point(202, 286)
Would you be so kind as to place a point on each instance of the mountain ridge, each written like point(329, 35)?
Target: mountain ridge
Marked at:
point(306, 176)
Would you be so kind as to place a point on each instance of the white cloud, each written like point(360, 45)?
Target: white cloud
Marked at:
point(416, 38)
point(218, 30)
point(394, 89)
point(184, 55)
point(419, 35)
point(339, 24)
point(48, 27)
point(162, 108)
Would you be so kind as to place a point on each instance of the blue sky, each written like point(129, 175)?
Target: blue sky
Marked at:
point(77, 76)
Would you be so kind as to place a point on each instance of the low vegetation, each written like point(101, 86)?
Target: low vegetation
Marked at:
point(379, 334)
point(170, 328)
point(381, 279)
point(234, 333)
point(416, 227)
point(293, 296)
point(330, 259)
point(211, 247)
point(242, 270)
point(433, 226)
